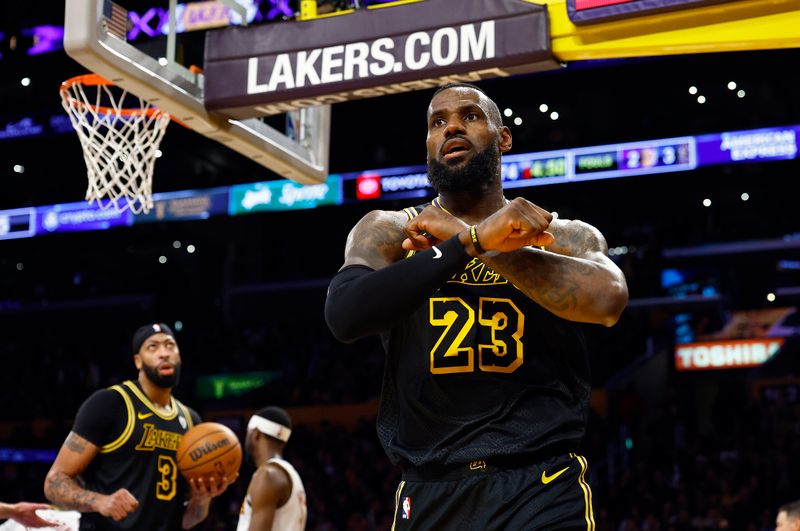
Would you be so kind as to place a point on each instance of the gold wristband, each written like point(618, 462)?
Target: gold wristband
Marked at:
point(473, 233)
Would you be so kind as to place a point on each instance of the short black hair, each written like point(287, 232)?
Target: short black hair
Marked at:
point(276, 414)
point(792, 509)
point(462, 85)
point(494, 110)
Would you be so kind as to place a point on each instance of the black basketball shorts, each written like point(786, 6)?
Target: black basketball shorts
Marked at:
point(552, 495)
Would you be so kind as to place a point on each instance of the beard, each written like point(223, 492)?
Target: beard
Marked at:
point(164, 381)
point(480, 170)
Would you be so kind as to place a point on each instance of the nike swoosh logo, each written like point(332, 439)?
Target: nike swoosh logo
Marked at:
point(437, 252)
point(142, 416)
point(547, 479)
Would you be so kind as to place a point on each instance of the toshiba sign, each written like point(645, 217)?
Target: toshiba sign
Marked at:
point(725, 354)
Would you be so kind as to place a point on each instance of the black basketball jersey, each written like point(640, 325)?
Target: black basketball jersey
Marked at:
point(479, 370)
point(143, 460)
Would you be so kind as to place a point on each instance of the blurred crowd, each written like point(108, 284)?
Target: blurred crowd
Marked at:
point(663, 468)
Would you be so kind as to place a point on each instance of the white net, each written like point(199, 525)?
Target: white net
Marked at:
point(119, 140)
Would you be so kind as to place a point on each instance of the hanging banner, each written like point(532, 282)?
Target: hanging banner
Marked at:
point(275, 68)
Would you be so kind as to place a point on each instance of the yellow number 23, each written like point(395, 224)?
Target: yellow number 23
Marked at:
point(505, 322)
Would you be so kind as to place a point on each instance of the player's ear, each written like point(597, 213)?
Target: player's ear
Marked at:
point(137, 360)
point(505, 139)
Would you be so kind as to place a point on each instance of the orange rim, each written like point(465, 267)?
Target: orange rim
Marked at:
point(93, 80)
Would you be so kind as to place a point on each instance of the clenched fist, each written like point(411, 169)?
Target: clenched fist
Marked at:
point(518, 224)
point(433, 225)
point(118, 505)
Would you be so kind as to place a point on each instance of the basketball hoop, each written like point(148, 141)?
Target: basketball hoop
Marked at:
point(119, 139)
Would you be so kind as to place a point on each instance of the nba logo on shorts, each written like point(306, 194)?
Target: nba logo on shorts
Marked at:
point(407, 508)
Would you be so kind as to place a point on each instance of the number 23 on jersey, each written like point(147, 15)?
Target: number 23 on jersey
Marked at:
point(501, 318)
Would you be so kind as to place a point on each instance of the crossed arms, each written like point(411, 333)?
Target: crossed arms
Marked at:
point(560, 264)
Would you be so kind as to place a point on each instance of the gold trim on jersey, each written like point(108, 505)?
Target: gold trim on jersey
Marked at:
point(587, 491)
point(437, 202)
point(411, 212)
point(397, 502)
point(139, 394)
point(131, 422)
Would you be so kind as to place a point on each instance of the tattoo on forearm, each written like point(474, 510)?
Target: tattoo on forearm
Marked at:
point(66, 491)
point(535, 276)
point(194, 513)
point(557, 298)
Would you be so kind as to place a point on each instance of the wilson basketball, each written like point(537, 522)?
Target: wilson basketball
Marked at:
point(209, 449)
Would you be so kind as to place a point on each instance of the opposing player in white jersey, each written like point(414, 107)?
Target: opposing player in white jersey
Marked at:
point(276, 498)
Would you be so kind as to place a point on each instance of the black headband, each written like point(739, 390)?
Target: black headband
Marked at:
point(143, 332)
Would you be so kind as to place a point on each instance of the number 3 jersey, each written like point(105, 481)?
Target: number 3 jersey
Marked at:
point(480, 370)
point(138, 444)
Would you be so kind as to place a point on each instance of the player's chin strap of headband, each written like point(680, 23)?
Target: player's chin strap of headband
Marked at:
point(269, 427)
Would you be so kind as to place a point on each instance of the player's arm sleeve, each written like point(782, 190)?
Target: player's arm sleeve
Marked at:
point(101, 418)
point(362, 301)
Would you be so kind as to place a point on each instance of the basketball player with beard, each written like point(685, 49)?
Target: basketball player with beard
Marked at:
point(481, 303)
point(118, 464)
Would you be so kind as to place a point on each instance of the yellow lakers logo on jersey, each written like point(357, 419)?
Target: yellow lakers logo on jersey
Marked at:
point(476, 273)
point(154, 438)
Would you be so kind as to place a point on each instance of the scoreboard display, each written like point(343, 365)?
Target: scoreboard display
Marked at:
point(621, 160)
point(547, 167)
point(594, 11)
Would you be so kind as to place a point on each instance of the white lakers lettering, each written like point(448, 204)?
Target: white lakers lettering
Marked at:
point(360, 60)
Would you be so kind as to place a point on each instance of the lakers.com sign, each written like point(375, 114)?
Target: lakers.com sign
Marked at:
point(272, 69)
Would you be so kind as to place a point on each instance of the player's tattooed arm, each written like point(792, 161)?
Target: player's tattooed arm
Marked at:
point(76, 443)
point(194, 513)
point(376, 240)
point(572, 278)
point(202, 491)
point(61, 484)
point(67, 492)
point(62, 487)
